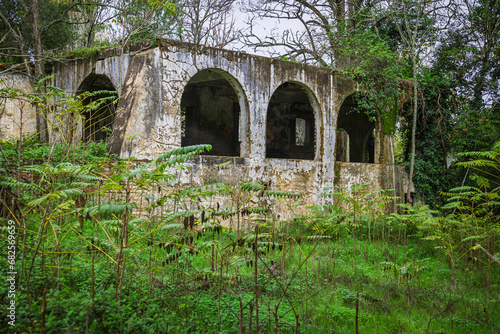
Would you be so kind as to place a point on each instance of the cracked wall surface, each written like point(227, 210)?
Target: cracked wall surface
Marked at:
point(17, 115)
point(150, 119)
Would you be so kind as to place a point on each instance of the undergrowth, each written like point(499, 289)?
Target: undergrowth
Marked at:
point(131, 249)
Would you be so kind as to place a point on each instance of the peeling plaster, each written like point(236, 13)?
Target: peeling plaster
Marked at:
point(148, 122)
point(16, 115)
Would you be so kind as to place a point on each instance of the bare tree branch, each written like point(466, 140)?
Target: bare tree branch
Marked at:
point(208, 22)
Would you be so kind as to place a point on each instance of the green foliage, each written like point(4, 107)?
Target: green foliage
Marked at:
point(145, 20)
point(485, 164)
point(57, 33)
point(67, 112)
point(203, 284)
point(459, 95)
point(369, 56)
point(118, 246)
point(89, 53)
point(467, 54)
point(477, 207)
point(443, 130)
point(373, 64)
point(35, 152)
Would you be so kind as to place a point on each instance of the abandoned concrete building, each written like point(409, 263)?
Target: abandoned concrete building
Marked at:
point(295, 125)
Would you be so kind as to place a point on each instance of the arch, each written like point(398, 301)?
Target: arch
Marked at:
point(97, 124)
point(291, 122)
point(355, 133)
point(212, 106)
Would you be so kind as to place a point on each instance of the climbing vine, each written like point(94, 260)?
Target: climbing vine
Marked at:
point(377, 71)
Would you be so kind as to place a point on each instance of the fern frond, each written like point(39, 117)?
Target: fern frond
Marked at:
point(203, 191)
point(195, 149)
point(178, 215)
point(112, 209)
point(283, 194)
point(474, 237)
point(169, 227)
point(54, 196)
point(252, 186)
point(237, 261)
point(112, 222)
point(464, 189)
point(490, 155)
point(477, 164)
point(481, 181)
point(78, 185)
point(12, 183)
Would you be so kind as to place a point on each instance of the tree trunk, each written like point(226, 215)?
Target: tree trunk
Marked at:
point(414, 126)
point(41, 117)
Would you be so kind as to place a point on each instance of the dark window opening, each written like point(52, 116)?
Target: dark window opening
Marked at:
point(301, 132)
point(98, 122)
point(210, 113)
point(290, 132)
point(355, 134)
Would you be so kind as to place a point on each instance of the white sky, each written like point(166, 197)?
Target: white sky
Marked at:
point(262, 29)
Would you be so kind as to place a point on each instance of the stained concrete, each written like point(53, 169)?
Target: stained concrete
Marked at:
point(231, 93)
point(17, 114)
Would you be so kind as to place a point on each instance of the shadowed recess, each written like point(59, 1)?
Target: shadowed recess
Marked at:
point(355, 134)
point(98, 123)
point(290, 132)
point(210, 113)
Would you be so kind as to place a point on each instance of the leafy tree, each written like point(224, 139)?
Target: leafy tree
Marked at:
point(416, 23)
point(469, 51)
point(323, 24)
point(432, 172)
point(347, 35)
point(452, 115)
point(94, 16)
point(136, 20)
point(28, 28)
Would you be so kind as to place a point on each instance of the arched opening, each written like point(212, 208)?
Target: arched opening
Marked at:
point(210, 111)
point(97, 122)
point(355, 133)
point(290, 130)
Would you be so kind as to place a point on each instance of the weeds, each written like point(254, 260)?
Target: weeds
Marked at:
point(110, 245)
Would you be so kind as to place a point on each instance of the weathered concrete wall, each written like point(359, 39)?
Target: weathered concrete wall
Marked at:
point(379, 176)
point(17, 115)
point(151, 81)
point(139, 118)
point(69, 75)
point(150, 118)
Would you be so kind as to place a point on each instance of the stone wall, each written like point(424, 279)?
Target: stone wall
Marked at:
point(379, 176)
point(17, 115)
point(174, 94)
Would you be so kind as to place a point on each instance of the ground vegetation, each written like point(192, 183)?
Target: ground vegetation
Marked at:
point(110, 245)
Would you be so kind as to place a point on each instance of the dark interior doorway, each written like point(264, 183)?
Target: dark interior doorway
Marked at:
point(98, 122)
point(355, 133)
point(290, 131)
point(210, 114)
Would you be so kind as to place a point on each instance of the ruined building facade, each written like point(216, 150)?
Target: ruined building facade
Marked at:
point(295, 125)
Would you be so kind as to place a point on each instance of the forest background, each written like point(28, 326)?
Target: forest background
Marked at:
point(439, 61)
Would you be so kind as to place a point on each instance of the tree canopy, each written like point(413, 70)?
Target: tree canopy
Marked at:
point(443, 56)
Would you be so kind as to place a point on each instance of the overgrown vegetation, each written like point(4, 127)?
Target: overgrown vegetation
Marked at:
point(130, 248)
point(104, 245)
